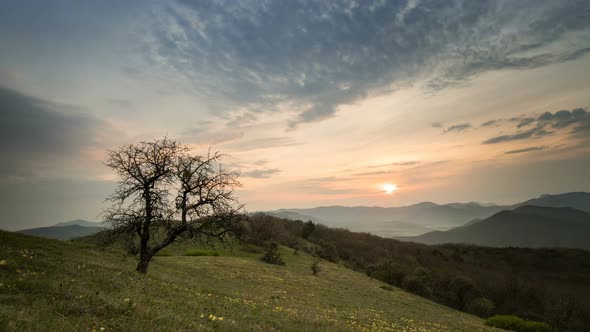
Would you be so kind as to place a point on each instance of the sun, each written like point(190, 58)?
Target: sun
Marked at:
point(389, 188)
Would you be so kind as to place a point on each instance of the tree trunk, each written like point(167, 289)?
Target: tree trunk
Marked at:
point(142, 266)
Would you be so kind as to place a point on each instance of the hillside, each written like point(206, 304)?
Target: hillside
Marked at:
point(537, 284)
point(71, 286)
point(526, 226)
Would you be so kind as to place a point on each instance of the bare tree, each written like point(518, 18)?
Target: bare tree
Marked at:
point(166, 194)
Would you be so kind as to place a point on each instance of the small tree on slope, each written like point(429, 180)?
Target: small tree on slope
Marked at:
point(165, 194)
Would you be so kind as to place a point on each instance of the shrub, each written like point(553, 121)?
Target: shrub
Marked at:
point(481, 307)
point(463, 291)
point(387, 271)
point(307, 229)
point(201, 252)
point(251, 249)
point(518, 324)
point(419, 282)
point(559, 313)
point(327, 251)
point(315, 266)
point(387, 288)
point(272, 255)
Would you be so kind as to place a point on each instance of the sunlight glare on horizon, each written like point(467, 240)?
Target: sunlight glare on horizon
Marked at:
point(389, 188)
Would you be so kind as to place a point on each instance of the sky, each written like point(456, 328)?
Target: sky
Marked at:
point(315, 102)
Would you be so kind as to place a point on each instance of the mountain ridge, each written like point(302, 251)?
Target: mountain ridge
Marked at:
point(526, 226)
point(428, 215)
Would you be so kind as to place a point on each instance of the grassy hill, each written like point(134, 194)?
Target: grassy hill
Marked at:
point(51, 285)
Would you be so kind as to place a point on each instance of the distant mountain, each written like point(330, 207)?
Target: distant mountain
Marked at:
point(394, 221)
point(576, 200)
point(66, 232)
point(80, 222)
point(415, 219)
point(526, 226)
point(285, 214)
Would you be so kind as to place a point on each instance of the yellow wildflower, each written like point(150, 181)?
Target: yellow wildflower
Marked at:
point(3, 262)
point(220, 318)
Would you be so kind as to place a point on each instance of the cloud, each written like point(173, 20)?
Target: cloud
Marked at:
point(406, 163)
point(524, 122)
point(533, 148)
point(535, 132)
point(260, 173)
point(120, 103)
point(458, 128)
point(565, 118)
point(547, 123)
point(436, 125)
point(415, 165)
point(326, 186)
point(489, 123)
point(206, 133)
point(261, 143)
point(36, 133)
point(318, 56)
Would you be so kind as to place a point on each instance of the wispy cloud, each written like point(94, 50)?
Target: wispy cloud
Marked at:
point(260, 173)
point(546, 124)
point(320, 55)
point(261, 143)
point(533, 148)
point(489, 123)
point(458, 128)
point(535, 132)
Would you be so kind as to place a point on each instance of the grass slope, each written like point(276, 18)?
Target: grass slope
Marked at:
point(48, 285)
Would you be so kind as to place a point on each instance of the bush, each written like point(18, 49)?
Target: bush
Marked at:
point(481, 307)
point(201, 252)
point(327, 251)
point(419, 282)
point(387, 271)
point(272, 255)
point(315, 266)
point(463, 290)
point(387, 288)
point(518, 324)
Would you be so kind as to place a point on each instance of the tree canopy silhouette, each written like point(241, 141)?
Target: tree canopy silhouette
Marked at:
point(166, 194)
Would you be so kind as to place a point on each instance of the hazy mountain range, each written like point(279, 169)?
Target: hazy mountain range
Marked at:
point(550, 220)
point(526, 226)
point(419, 218)
point(66, 230)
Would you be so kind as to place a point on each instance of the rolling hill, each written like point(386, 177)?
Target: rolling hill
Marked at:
point(526, 226)
point(66, 230)
point(52, 285)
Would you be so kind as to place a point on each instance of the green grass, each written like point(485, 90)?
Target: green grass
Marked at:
point(201, 252)
point(514, 323)
point(48, 285)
